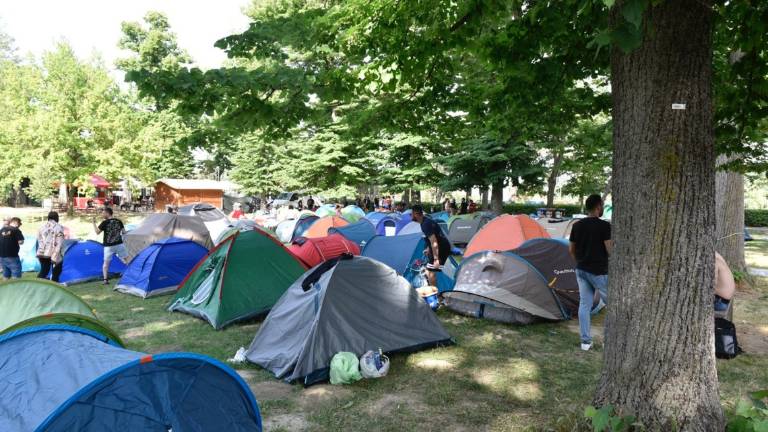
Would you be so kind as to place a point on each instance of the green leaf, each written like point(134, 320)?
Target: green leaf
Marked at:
point(609, 3)
point(590, 412)
point(632, 11)
point(760, 426)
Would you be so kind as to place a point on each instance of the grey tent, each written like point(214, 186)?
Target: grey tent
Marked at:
point(557, 228)
point(352, 304)
point(461, 231)
point(502, 286)
point(214, 219)
point(160, 226)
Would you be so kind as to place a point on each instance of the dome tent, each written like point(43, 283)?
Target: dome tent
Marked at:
point(352, 304)
point(359, 232)
point(321, 226)
point(160, 268)
point(352, 213)
point(503, 287)
point(313, 251)
point(240, 278)
point(97, 386)
point(83, 261)
point(461, 230)
point(503, 233)
point(398, 252)
point(387, 225)
point(159, 226)
point(214, 219)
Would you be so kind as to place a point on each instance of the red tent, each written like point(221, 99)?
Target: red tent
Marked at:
point(313, 251)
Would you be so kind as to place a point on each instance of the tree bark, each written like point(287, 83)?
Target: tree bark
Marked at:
point(729, 216)
point(659, 360)
point(557, 161)
point(497, 196)
point(484, 198)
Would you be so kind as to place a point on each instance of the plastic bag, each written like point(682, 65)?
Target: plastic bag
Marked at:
point(370, 369)
point(345, 368)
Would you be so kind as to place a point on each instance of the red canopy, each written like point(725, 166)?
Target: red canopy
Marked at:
point(313, 251)
point(99, 181)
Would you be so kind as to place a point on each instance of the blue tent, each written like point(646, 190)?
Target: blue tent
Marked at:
point(440, 216)
point(161, 267)
point(404, 220)
point(399, 252)
point(360, 232)
point(83, 261)
point(376, 216)
point(28, 255)
point(387, 225)
point(62, 378)
point(305, 221)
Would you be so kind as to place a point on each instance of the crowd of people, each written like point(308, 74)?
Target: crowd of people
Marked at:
point(50, 245)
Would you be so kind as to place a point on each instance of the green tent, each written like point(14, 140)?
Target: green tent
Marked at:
point(465, 216)
point(70, 319)
point(242, 277)
point(22, 299)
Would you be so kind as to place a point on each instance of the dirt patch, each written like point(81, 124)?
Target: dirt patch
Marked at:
point(268, 390)
point(322, 394)
point(753, 339)
point(135, 333)
point(137, 309)
point(285, 422)
point(392, 403)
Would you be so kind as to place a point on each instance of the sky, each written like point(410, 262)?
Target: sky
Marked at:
point(94, 25)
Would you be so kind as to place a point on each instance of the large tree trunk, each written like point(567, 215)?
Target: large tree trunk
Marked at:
point(729, 216)
point(552, 178)
point(484, 198)
point(659, 361)
point(497, 196)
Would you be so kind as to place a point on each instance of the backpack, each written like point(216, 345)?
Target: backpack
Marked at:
point(726, 345)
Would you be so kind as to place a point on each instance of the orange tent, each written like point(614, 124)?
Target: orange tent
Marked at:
point(504, 233)
point(321, 226)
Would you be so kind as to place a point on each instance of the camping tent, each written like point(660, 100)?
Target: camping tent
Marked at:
point(22, 299)
point(240, 278)
point(83, 261)
point(352, 305)
point(69, 319)
point(376, 216)
point(284, 230)
point(461, 230)
point(441, 215)
point(504, 287)
point(398, 252)
point(61, 378)
point(557, 228)
point(552, 259)
point(321, 226)
point(387, 225)
point(360, 232)
point(163, 225)
point(160, 268)
point(238, 225)
point(313, 251)
point(326, 210)
point(412, 227)
point(214, 219)
point(352, 213)
point(505, 232)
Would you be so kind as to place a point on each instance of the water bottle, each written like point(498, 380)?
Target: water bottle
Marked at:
point(377, 359)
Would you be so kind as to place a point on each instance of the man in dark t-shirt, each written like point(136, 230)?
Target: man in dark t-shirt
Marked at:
point(113, 230)
point(438, 247)
point(11, 240)
point(590, 245)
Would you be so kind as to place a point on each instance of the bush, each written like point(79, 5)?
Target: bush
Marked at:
point(751, 415)
point(756, 218)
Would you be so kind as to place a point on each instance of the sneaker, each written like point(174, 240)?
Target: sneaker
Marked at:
point(586, 346)
point(105, 282)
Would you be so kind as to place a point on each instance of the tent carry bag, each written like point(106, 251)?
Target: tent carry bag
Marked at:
point(726, 345)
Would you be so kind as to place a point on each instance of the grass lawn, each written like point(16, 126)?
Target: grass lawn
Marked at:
point(497, 377)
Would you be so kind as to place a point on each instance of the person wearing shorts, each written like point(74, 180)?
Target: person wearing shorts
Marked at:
point(113, 230)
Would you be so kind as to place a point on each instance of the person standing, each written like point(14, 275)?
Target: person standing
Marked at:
point(113, 230)
point(590, 245)
point(310, 204)
point(438, 247)
point(11, 240)
point(50, 248)
point(463, 207)
point(237, 212)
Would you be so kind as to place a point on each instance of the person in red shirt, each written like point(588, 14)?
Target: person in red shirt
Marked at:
point(237, 212)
